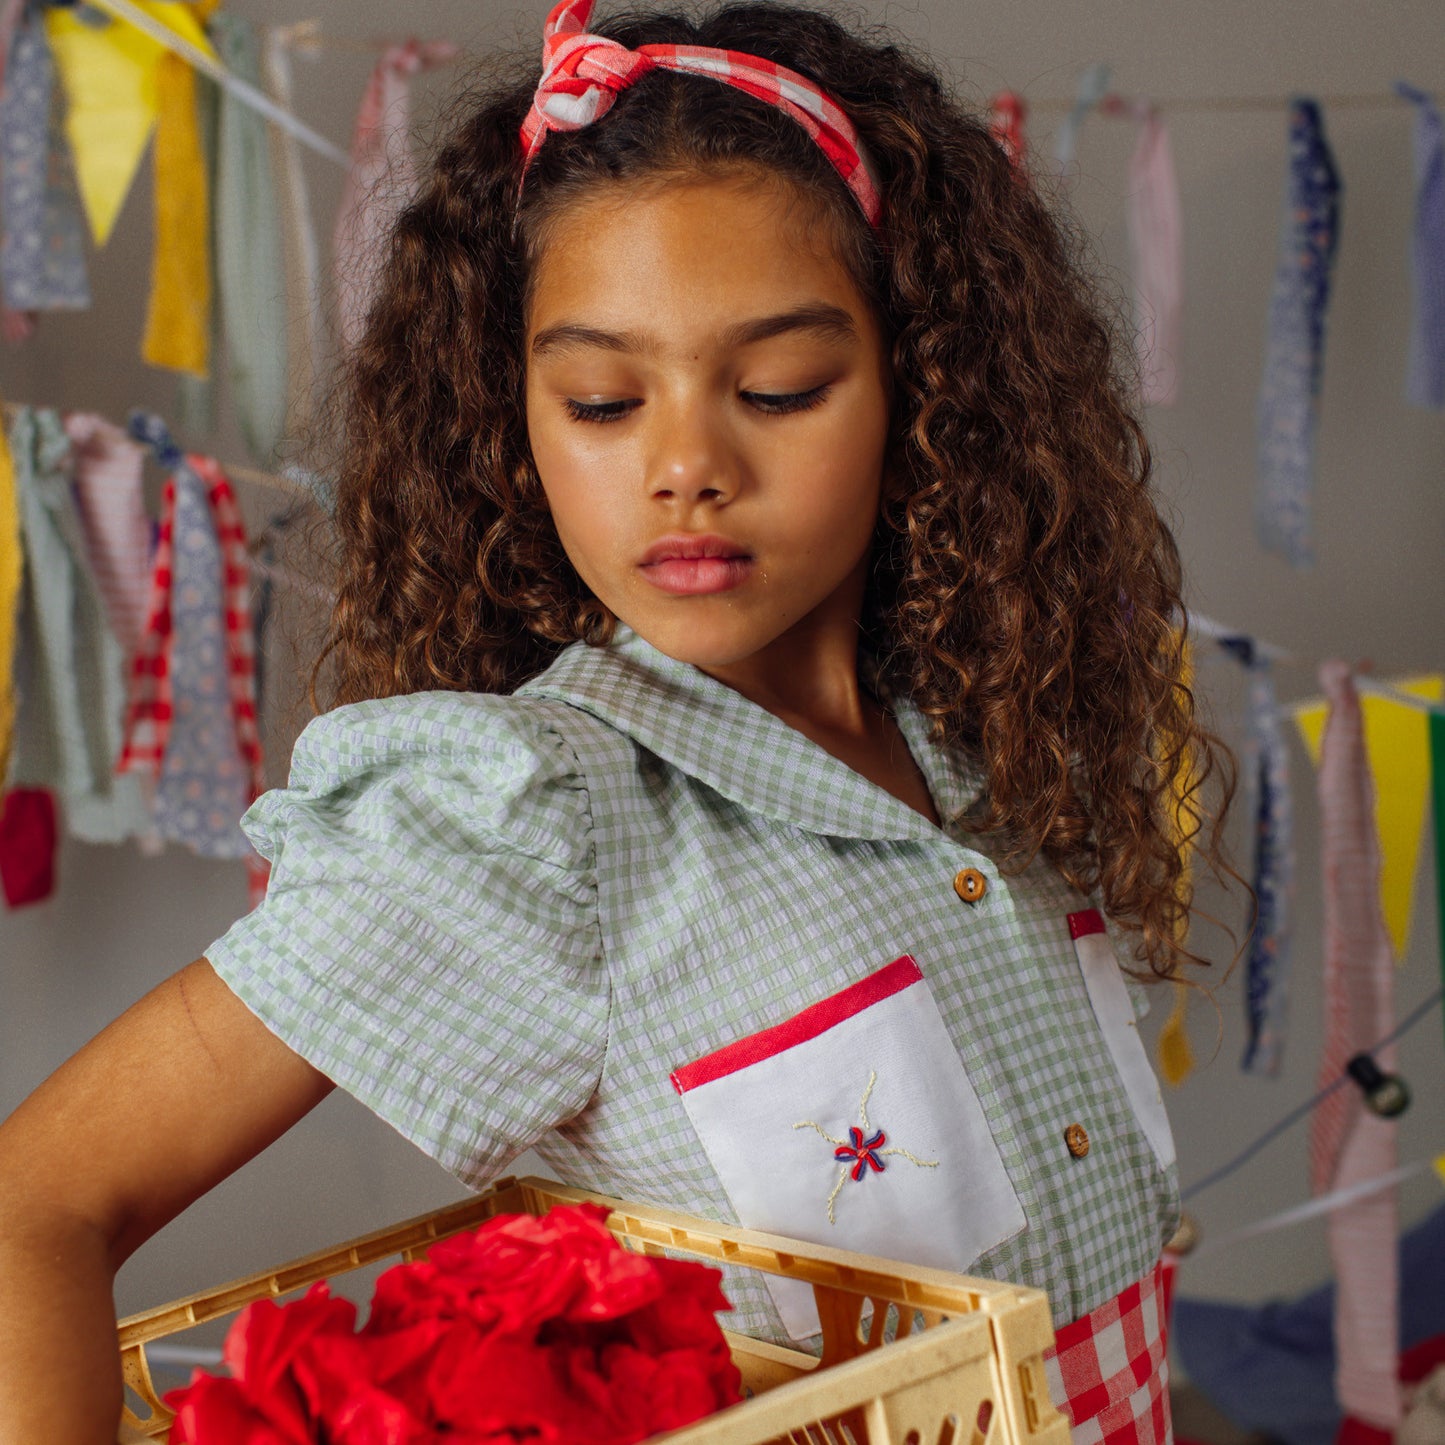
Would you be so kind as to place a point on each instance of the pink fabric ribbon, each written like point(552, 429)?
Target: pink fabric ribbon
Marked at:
point(582, 74)
point(1156, 248)
point(381, 179)
point(1348, 1144)
point(108, 497)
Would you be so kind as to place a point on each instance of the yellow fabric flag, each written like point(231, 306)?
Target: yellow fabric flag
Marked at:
point(178, 318)
point(108, 74)
point(10, 571)
point(1397, 742)
point(1176, 1057)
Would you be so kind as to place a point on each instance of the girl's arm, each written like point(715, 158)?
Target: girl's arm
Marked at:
point(177, 1093)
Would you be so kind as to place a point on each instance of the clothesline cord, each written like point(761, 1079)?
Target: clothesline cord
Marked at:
point(357, 45)
point(1304, 1109)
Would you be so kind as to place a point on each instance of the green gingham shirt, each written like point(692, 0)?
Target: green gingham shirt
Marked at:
point(502, 921)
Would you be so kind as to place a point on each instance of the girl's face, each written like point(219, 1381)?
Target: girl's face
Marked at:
point(707, 400)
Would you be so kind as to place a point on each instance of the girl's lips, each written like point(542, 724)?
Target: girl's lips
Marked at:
point(693, 566)
point(698, 576)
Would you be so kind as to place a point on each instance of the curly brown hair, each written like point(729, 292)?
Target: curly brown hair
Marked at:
point(1025, 592)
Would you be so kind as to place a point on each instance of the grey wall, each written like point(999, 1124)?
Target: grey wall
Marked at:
point(120, 922)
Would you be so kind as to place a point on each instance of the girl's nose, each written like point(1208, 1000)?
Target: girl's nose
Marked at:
point(691, 460)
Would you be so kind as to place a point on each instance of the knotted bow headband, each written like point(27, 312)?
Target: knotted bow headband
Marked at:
point(582, 74)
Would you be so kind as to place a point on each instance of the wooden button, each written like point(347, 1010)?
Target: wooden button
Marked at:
point(1077, 1138)
point(970, 884)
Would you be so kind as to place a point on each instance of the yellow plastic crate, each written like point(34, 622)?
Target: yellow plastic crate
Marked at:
point(944, 1359)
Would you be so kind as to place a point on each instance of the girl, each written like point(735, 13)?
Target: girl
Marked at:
point(755, 636)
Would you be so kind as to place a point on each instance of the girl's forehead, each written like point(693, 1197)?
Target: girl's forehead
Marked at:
point(687, 257)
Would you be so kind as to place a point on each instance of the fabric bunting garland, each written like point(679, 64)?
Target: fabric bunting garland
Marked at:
point(178, 318)
point(1348, 1144)
point(10, 574)
point(302, 254)
point(1425, 374)
point(191, 721)
point(1092, 85)
point(1270, 949)
point(1397, 744)
point(381, 178)
point(69, 668)
point(1294, 353)
point(249, 266)
point(1156, 247)
point(106, 476)
point(1437, 802)
point(42, 262)
point(1007, 114)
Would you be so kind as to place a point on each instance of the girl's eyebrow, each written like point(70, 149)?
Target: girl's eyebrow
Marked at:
point(830, 322)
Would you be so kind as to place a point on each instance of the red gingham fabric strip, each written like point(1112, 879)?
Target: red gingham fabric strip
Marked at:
point(1109, 1372)
point(148, 704)
point(582, 74)
point(240, 637)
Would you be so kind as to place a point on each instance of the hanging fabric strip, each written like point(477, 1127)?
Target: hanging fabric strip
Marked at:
point(178, 318)
point(108, 496)
point(1270, 948)
point(249, 265)
point(1093, 83)
point(1348, 1144)
point(42, 261)
point(1425, 373)
point(1172, 1048)
point(29, 841)
point(11, 12)
point(1007, 115)
point(1294, 352)
point(1156, 246)
point(303, 264)
point(196, 395)
point(149, 707)
point(380, 179)
point(10, 574)
point(241, 644)
point(70, 670)
point(204, 783)
point(1437, 799)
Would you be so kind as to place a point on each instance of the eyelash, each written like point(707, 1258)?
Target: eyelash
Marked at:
point(769, 405)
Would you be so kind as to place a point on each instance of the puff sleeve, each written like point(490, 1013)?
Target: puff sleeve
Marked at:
point(429, 939)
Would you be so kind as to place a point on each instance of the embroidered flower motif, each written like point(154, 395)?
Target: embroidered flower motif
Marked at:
point(861, 1151)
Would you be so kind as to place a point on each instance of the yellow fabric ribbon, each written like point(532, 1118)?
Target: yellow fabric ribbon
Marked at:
point(10, 569)
point(1175, 1054)
point(178, 318)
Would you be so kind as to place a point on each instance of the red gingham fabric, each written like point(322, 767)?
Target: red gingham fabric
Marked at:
point(582, 73)
point(148, 714)
point(148, 705)
point(1109, 1372)
point(240, 639)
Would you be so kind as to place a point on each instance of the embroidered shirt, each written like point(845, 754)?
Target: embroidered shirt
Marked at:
point(502, 921)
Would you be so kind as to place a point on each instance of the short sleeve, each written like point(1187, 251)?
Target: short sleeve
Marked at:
point(429, 939)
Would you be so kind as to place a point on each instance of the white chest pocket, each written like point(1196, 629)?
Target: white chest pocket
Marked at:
point(854, 1124)
point(1115, 1013)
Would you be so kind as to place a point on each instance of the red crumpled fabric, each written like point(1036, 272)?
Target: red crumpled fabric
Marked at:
point(544, 1331)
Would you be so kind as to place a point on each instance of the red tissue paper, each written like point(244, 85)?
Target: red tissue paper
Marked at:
point(527, 1329)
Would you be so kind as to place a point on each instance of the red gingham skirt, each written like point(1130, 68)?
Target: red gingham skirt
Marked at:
point(1109, 1372)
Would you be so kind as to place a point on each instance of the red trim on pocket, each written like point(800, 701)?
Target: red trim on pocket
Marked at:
point(817, 1019)
point(1081, 925)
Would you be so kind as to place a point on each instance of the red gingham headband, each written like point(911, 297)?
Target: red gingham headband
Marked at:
point(582, 73)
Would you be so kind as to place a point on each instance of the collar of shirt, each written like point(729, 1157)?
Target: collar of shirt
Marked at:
point(710, 732)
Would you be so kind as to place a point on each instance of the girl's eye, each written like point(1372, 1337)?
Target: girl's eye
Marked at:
point(772, 404)
point(599, 410)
